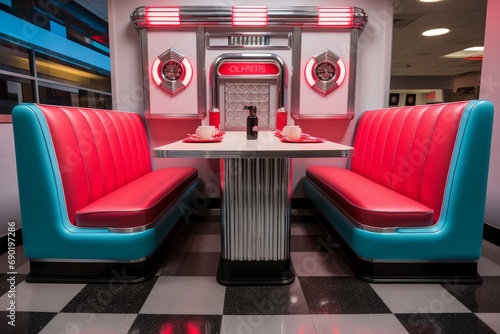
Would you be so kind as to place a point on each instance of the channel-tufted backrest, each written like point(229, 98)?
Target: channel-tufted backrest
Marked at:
point(97, 151)
point(409, 149)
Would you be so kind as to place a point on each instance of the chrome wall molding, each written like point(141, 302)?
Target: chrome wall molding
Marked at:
point(210, 16)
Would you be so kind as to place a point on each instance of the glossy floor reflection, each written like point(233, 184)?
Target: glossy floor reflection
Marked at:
point(184, 296)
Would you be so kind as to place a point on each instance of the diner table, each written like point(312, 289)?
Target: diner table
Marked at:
point(256, 188)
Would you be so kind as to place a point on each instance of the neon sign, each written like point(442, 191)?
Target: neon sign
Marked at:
point(248, 68)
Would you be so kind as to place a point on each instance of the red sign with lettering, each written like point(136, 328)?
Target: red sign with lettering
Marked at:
point(248, 68)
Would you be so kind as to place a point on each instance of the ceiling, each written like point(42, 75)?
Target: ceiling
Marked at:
point(414, 54)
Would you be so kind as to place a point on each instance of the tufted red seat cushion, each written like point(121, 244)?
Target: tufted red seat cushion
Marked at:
point(367, 202)
point(139, 202)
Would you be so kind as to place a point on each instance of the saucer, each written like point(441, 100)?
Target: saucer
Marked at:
point(199, 140)
point(280, 134)
point(308, 139)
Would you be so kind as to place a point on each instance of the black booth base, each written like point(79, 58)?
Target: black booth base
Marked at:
point(78, 271)
point(255, 272)
point(92, 272)
point(374, 271)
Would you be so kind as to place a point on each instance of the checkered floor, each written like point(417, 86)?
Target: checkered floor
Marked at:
point(184, 296)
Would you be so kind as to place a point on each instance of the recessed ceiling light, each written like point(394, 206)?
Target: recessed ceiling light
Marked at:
point(436, 32)
point(430, 0)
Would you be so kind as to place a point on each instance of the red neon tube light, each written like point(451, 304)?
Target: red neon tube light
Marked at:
point(162, 16)
point(250, 16)
point(340, 17)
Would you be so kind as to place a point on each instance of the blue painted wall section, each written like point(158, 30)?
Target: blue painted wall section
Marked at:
point(25, 33)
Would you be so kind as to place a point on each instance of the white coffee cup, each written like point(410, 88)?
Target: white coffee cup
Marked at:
point(206, 132)
point(292, 132)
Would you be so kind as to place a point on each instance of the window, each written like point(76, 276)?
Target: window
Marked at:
point(54, 69)
point(27, 75)
point(14, 58)
point(12, 92)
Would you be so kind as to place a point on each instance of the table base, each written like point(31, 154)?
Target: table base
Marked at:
point(255, 272)
point(255, 222)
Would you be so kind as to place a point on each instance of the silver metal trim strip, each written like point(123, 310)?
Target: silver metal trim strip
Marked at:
point(173, 115)
point(87, 260)
point(249, 155)
point(353, 58)
point(153, 224)
point(200, 66)
point(366, 227)
point(296, 60)
point(143, 41)
point(249, 46)
point(323, 116)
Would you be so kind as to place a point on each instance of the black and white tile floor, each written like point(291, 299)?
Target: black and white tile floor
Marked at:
point(184, 296)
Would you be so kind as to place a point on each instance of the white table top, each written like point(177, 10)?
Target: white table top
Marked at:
point(236, 145)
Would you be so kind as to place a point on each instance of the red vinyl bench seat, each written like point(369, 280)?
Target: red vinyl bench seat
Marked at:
point(368, 203)
point(138, 203)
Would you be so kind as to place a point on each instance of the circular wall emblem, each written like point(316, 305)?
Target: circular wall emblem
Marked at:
point(172, 71)
point(325, 71)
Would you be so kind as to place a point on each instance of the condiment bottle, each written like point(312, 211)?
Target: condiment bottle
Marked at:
point(252, 123)
point(215, 118)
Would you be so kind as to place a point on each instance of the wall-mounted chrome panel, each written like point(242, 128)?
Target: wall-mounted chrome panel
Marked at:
point(261, 28)
point(240, 79)
point(247, 41)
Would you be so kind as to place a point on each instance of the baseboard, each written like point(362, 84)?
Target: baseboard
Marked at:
point(491, 234)
point(302, 203)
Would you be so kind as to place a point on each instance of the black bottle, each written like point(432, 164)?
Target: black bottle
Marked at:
point(252, 123)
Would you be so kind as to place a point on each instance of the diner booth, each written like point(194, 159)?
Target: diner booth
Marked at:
point(200, 64)
point(319, 66)
point(393, 187)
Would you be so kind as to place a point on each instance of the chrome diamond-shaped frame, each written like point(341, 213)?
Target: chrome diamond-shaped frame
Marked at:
point(171, 86)
point(326, 87)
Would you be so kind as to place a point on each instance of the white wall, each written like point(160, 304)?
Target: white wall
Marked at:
point(371, 92)
point(9, 196)
point(490, 90)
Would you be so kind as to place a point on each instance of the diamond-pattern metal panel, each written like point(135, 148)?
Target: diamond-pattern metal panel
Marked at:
point(243, 92)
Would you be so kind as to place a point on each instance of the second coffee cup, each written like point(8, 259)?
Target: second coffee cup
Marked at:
point(292, 132)
point(206, 132)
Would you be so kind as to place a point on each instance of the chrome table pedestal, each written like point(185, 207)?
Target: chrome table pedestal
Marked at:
point(255, 216)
